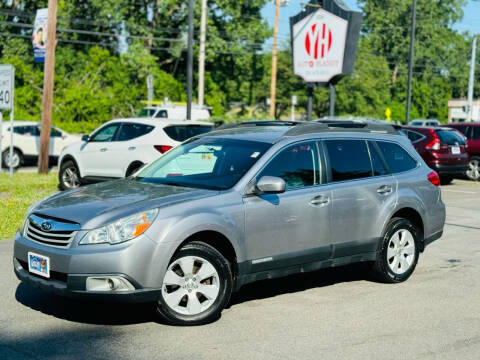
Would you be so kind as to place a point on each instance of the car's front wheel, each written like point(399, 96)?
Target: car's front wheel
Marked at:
point(16, 160)
point(399, 251)
point(196, 287)
point(68, 176)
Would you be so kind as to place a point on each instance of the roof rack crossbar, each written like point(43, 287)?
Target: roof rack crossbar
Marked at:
point(309, 128)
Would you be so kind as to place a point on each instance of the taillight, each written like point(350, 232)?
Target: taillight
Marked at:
point(434, 178)
point(435, 143)
point(162, 148)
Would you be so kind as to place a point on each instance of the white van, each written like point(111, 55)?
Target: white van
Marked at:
point(174, 111)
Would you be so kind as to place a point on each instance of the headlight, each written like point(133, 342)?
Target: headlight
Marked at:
point(122, 230)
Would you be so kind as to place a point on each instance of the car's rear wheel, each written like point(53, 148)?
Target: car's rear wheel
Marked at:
point(69, 176)
point(196, 287)
point(399, 251)
point(473, 171)
point(16, 160)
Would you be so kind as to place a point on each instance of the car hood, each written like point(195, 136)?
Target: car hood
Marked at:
point(101, 203)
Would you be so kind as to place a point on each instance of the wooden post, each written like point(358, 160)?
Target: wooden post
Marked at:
point(273, 85)
point(49, 72)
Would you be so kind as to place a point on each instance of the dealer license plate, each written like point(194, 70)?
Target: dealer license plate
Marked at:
point(455, 150)
point(39, 264)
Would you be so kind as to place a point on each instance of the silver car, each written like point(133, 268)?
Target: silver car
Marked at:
point(232, 207)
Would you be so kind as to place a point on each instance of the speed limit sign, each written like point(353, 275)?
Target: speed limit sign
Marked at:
point(6, 87)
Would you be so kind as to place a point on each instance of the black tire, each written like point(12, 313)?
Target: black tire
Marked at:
point(222, 266)
point(16, 155)
point(63, 184)
point(446, 179)
point(381, 268)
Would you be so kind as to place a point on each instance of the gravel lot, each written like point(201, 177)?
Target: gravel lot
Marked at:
point(336, 313)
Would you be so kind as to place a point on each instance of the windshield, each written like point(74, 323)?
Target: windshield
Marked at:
point(450, 137)
point(208, 163)
point(145, 113)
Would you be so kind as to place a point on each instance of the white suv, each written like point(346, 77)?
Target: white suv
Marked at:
point(26, 142)
point(120, 147)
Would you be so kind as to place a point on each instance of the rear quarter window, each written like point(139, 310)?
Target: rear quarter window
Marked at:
point(397, 158)
point(183, 132)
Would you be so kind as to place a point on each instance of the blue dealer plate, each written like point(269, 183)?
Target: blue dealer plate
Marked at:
point(39, 264)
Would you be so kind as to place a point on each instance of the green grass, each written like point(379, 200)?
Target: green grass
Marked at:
point(17, 194)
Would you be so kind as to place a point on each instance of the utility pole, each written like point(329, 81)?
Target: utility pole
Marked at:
point(49, 73)
point(410, 62)
point(201, 55)
point(190, 60)
point(273, 86)
point(471, 81)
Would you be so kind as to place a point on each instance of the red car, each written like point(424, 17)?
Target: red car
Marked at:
point(443, 149)
point(472, 131)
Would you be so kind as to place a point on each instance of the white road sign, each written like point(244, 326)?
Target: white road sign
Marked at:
point(6, 87)
point(319, 46)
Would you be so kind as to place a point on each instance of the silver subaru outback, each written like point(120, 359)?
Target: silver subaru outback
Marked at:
point(232, 207)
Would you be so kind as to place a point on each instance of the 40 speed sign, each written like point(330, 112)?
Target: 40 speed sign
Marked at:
point(6, 87)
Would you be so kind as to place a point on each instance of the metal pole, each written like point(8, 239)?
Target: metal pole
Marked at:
point(410, 62)
point(11, 139)
point(1, 136)
point(150, 89)
point(309, 102)
point(48, 76)
point(332, 100)
point(273, 84)
point(190, 60)
point(471, 81)
point(11, 119)
point(201, 55)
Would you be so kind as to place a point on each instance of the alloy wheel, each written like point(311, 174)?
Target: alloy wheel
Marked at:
point(70, 178)
point(191, 285)
point(401, 251)
point(14, 161)
point(473, 171)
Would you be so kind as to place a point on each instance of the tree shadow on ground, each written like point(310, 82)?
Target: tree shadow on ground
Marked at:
point(301, 282)
point(103, 313)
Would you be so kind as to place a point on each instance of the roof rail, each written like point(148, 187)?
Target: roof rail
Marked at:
point(340, 126)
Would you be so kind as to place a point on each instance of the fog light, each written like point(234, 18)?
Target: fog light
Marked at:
point(110, 283)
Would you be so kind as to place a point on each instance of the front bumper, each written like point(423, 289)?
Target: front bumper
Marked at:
point(74, 286)
point(141, 261)
point(450, 169)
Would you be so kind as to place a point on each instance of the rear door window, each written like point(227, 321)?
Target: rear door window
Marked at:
point(377, 162)
point(450, 137)
point(162, 114)
point(476, 132)
point(132, 131)
point(349, 159)
point(183, 132)
point(398, 159)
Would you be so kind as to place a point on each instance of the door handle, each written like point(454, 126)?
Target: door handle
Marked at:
point(103, 149)
point(320, 200)
point(384, 190)
point(132, 148)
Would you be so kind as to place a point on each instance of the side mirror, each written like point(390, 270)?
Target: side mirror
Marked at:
point(271, 185)
point(85, 138)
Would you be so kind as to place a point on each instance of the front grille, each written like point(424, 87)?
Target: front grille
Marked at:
point(60, 234)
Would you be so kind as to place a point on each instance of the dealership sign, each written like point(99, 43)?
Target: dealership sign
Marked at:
point(324, 41)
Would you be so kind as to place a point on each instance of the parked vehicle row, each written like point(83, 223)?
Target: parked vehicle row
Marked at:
point(287, 199)
point(26, 142)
